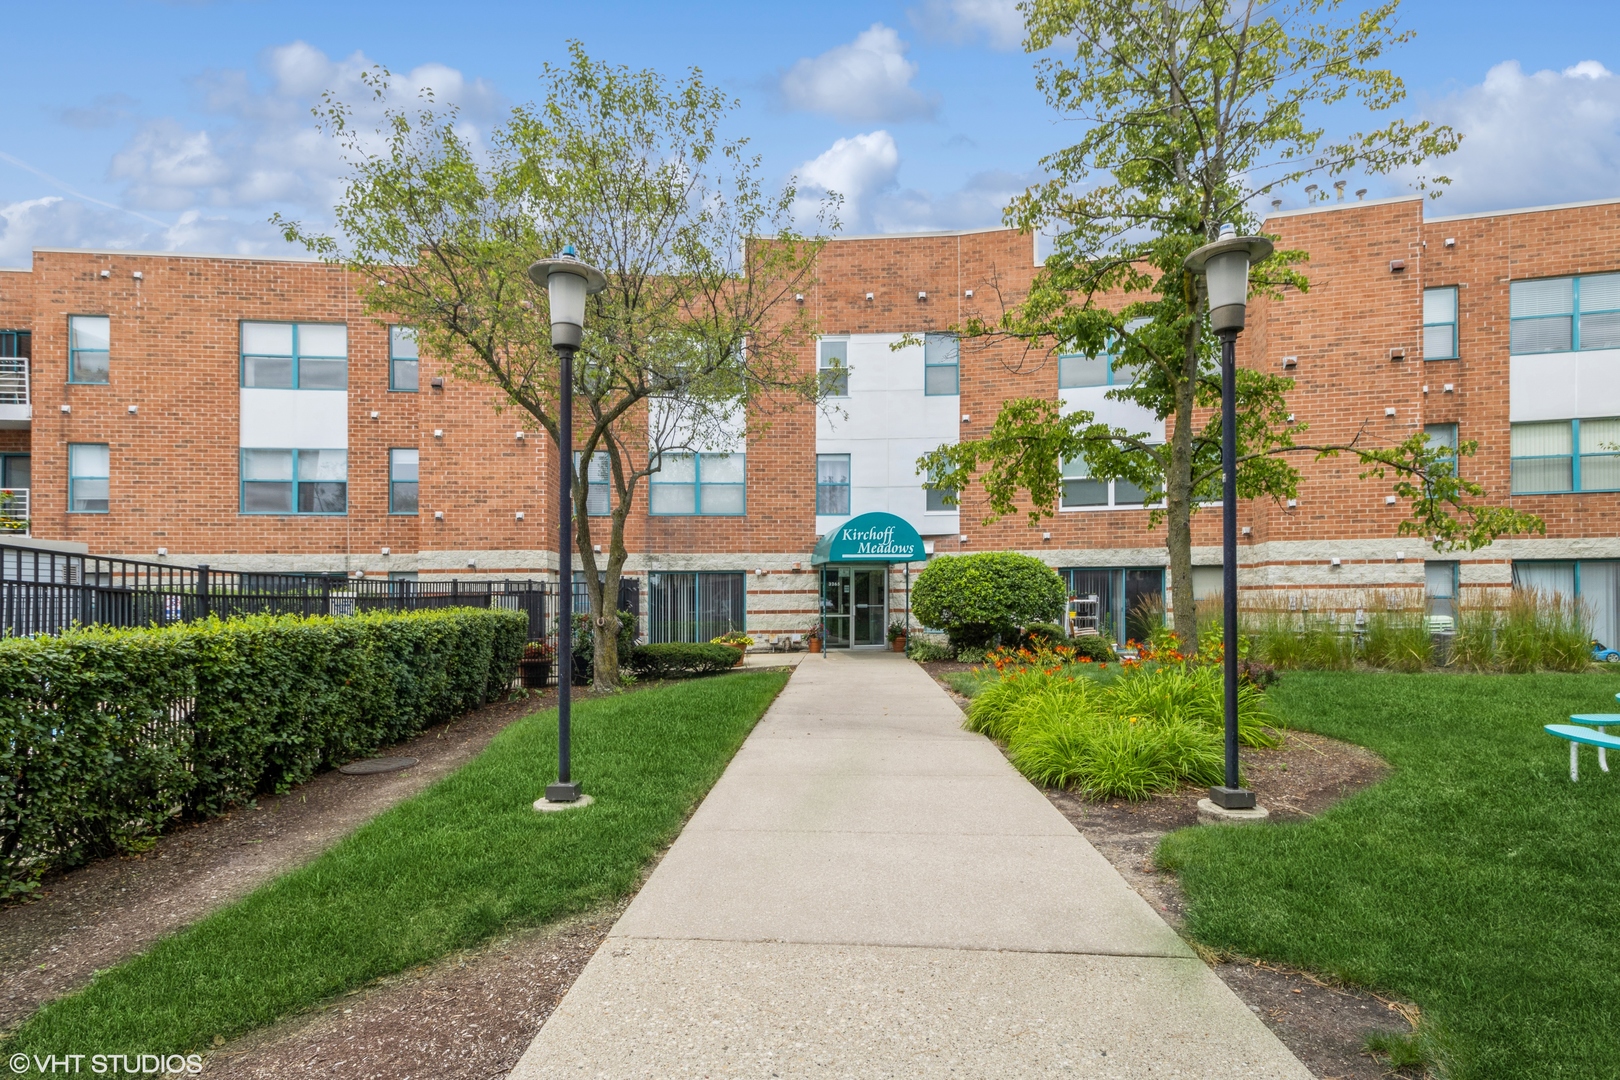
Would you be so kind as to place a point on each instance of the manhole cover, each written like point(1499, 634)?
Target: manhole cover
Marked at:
point(376, 765)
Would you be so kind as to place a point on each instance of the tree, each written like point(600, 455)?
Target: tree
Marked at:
point(696, 336)
point(1193, 112)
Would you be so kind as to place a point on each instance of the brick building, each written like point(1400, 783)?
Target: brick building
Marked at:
point(244, 413)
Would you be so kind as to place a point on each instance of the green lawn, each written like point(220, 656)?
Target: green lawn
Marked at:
point(463, 861)
point(1476, 880)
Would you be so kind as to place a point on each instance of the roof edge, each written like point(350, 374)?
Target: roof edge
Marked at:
point(113, 252)
point(1329, 207)
point(923, 234)
point(1525, 210)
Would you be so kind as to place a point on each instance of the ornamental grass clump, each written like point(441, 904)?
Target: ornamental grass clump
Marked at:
point(1152, 728)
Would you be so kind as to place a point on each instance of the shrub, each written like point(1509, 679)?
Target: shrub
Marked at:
point(681, 660)
point(1093, 647)
point(1037, 635)
point(108, 735)
point(923, 650)
point(983, 598)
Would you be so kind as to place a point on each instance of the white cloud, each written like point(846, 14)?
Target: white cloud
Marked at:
point(54, 221)
point(865, 170)
point(998, 22)
point(867, 80)
point(1529, 140)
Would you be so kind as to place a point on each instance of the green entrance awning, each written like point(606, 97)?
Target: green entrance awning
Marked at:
point(870, 538)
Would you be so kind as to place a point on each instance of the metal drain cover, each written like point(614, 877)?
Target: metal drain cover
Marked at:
point(370, 766)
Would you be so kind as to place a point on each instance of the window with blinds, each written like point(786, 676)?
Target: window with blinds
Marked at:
point(1566, 455)
point(1564, 314)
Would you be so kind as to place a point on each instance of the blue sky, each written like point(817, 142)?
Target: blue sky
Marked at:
point(184, 125)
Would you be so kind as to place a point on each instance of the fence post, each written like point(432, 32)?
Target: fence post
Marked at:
point(204, 602)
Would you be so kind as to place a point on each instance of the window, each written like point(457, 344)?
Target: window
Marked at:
point(599, 499)
point(832, 484)
point(1594, 582)
point(1440, 588)
point(1130, 601)
point(1444, 435)
point(1075, 369)
point(295, 356)
point(404, 360)
point(706, 484)
point(942, 356)
point(936, 500)
point(1566, 455)
point(1564, 314)
point(1081, 491)
point(694, 606)
point(88, 478)
point(832, 362)
point(404, 480)
point(295, 481)
point(89, 342)
point(1440, 323)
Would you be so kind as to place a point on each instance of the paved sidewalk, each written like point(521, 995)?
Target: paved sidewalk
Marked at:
point(870, 891)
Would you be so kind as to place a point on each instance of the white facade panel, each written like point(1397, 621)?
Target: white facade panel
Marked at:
point(884, 425)
point(1126, 414)
point(1564, 386)
point(295, 419)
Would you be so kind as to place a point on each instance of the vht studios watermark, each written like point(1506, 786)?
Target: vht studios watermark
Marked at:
point(107, 1064)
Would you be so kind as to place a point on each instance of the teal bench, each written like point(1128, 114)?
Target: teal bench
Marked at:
point(1578, 735)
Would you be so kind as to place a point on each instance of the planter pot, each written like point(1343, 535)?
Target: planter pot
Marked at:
point(740, 654)
point(898, 644)
point(534, 674)
point(815, 644)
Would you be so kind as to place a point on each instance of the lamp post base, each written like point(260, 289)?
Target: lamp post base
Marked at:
point(569, 792)
point(547, 806)
point(1210, 814)
point(1226, 798)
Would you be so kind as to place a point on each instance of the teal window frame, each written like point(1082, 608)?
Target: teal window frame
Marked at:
point(74, 478)
point(395, 360)
point(1111, 363)
point(296, 357)
point(942, 353)
point(1578, 312)
point(395, 482)
point(296, 483)
point(698, 485)
point(833, 376)
point(1071, 474)
point(1456, 351)
point(832, 488)
point(75, 353)
point(597, 505)
point(1576, 459)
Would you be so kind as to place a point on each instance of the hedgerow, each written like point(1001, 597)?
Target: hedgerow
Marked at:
point(107, 736)
point(680, 660)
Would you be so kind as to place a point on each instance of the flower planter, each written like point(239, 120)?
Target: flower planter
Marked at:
point(898, 644)
point(815, 644)
point(534, 674)
point(740, 654)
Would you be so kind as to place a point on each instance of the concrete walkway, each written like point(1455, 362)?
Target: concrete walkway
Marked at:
point(870, 891)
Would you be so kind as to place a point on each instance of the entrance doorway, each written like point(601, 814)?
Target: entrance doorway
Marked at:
point(854, 602)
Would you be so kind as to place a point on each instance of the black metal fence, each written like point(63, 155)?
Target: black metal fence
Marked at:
point(45, 592)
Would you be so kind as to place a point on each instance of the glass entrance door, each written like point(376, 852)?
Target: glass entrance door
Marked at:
point(854, 603)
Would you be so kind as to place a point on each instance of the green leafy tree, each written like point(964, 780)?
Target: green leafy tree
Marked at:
point(696, 336)
point(979, 598)
point(1192, 113)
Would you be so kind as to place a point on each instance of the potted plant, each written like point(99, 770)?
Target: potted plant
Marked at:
point(534, 669)
point(814, 638)
point(737, 640)
point(897, 636)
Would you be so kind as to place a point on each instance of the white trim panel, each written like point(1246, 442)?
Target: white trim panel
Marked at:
point(295, 419)
point(1564, 386)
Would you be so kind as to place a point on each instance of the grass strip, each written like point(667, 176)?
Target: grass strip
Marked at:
point(454, 866)
point(1476, 880)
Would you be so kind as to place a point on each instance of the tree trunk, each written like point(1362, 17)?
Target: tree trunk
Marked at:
point(602, 586)
point(1179, 502)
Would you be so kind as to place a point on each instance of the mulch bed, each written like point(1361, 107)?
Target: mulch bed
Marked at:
point(1323, 1022)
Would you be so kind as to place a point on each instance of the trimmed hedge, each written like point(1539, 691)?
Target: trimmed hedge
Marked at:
point(982, 599)
point(680, 660)
point(108, 735)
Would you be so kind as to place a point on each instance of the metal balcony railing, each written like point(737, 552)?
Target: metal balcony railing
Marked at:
point(13, 380)
point(13, 510)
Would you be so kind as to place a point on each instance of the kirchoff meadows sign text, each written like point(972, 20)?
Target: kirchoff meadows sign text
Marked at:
point(872, 538)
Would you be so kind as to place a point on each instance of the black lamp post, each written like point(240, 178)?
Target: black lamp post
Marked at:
point(1225, 267)
point(568, 281)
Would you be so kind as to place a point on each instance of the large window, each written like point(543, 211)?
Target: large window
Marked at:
point(832, 484)
point(1440, 323)
point(404, 359)
point(89, 346)
point(1566, 455)
point(1594, 582)
point(1081, 491)
point(1444, 435)
point(706, 484)
point(694, 606)
point(942, 365)
point(599, 499)
point(1129, 602)
point(295, 356)
point(940, 500)
point(1107, 369)
point(832, 364)
point(89, 477)
point(1565, 314)
point(295, 481)
point(404, 480)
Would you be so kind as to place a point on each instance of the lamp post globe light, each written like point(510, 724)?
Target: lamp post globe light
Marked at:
point(567, 281)
point(1224, 265)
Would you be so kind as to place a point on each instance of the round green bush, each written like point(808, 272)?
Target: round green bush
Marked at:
point(984, 598)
